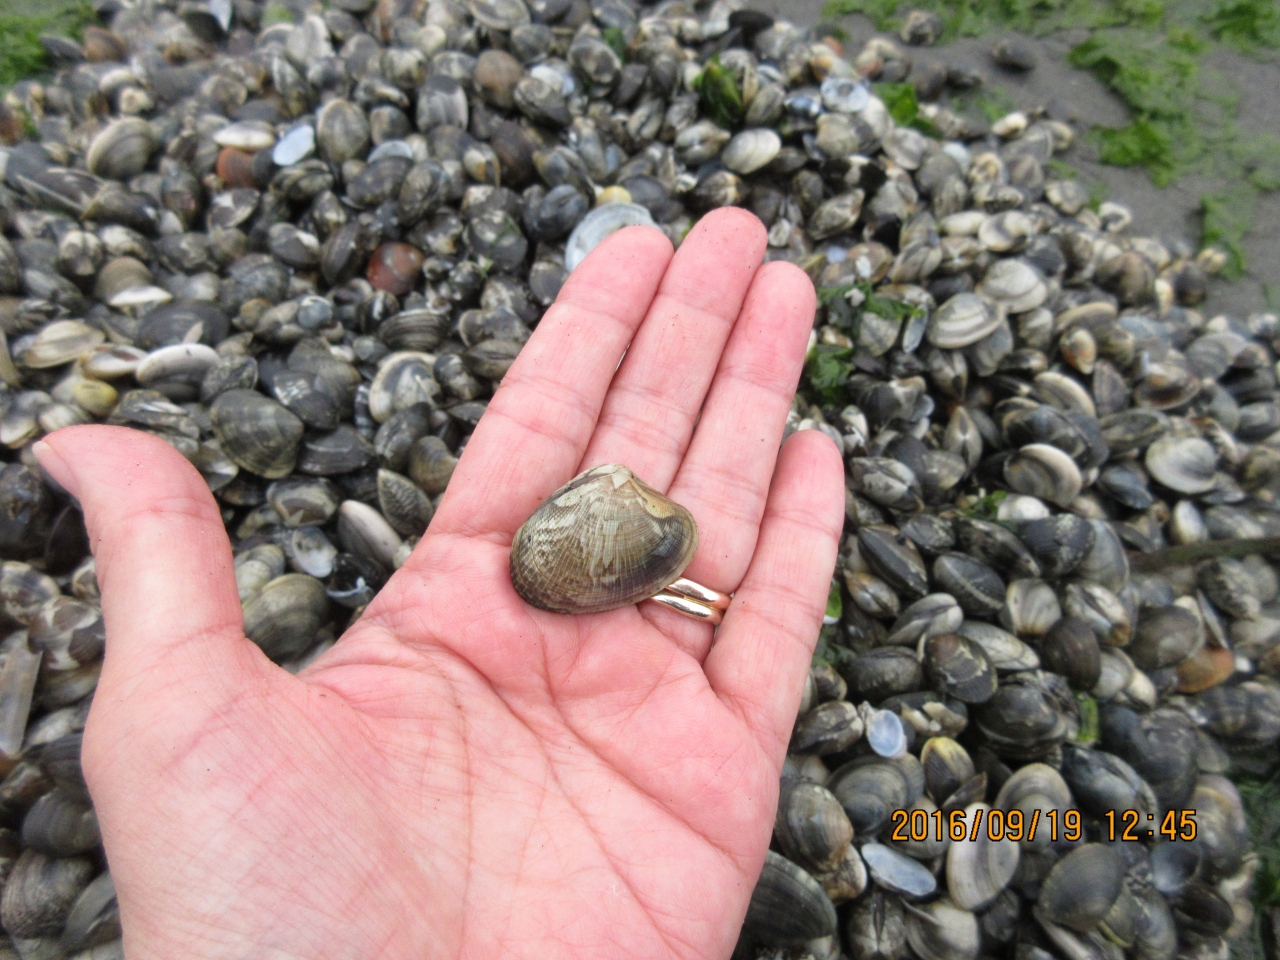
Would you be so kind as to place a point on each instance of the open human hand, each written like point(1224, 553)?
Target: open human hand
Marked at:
point(463, 775)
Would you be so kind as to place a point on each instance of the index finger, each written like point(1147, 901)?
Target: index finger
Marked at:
point(538, 424)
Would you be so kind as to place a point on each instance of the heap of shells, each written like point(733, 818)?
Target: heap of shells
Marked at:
point(303, 245)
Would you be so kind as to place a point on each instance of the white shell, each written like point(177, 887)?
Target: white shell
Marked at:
point(1030, 608)
point(1015, 284)
point(963, 319)
point(750, 150)
point(1184, 464)
point(250, 135)
point(592, 230)
point(403, 379)
point(845, 94)
point(1040, 470)
point(298, 144)
point(942, 931)
point(978, 869)
point(184, 361)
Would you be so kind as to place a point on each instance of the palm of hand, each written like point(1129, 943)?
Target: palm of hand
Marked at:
point(462, 774)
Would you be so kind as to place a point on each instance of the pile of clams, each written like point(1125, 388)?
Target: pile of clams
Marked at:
point(302, 243)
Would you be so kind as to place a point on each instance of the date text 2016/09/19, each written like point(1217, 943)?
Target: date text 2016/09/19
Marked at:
point(919, 825)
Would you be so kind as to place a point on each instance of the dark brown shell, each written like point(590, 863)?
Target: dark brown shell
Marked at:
point(604, 540)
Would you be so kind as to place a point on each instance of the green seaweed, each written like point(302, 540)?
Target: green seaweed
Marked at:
point(1097, 194)
point(1146, 51)
point(829, 295)
point(615, 38)
point(881, 11)
point(1261, 798)
point(900, 100)
point(1257, 156)
point(1227, 216)
point(1062, 170)
point(719, 92)
point(1271, 296)
point(840, 312)
point(827, 370)
point(971, 18)
point(887, 307)
point(831, 652)
point(1178, 112)
point(985, 507)
point(21, 54)
point(845, 316)
point(835, 604)
point(1143, 143)
point(994, 103)
point(1248, 25)
point(1087, 732)
point(276, 13)
point(1186, 40)
point(1153, 77)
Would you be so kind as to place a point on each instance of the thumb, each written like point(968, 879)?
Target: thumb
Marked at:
point(164, 565)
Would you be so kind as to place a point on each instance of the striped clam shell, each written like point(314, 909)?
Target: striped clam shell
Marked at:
point(604, 540)
point(963, 319)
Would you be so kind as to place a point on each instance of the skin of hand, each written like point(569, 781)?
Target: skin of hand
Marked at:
point(462, 775)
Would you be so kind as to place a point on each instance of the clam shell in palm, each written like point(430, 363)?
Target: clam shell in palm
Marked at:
point(604, 540)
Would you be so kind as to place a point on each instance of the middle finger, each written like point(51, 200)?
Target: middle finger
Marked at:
point(653, 403)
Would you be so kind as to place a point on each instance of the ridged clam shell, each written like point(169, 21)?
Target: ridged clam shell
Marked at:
point(602, 541)
point(364, 531)
point(403, 379)
point(959, 668)
point(404, 505)
point(60, 826)
point(283, 617)
point(788, 907)
point(94, 920)
point(960, 321)
point(828, 728)
point(122, 149)
point(1184, 464)
point(248, 135)
point(342, 132)
point(811, 826)
point(750, 150)
point(60, 342)
point(257, 433)
point(39, 893)
point(499, 14)
point(1006, 652)
point(929, 616)
point(1040, 470)
point(947, 765)
point(838, 214)
point(1082, 886)
point(1031, 607)
point(1014, 283)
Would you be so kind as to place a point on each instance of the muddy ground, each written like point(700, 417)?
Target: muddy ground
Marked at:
point(1171, 213)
